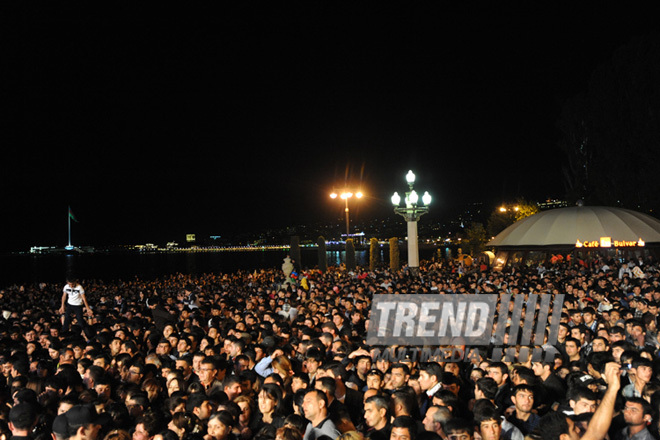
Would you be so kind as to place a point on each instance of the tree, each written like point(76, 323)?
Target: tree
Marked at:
point(323, 255)
point(295, 249)
point(475, 238)
point(394, 253)
point(525, 209)
point(505, 216)
point(350, 255)
point(374, 253)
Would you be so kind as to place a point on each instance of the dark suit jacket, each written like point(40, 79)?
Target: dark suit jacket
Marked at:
point(162, 317)
point(352, 406)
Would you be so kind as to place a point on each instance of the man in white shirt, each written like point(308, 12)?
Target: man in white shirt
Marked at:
point(73, 299)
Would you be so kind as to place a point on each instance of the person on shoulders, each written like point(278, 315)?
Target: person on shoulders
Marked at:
point(73, 300)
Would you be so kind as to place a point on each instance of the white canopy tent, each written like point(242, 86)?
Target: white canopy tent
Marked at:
point(589, 228)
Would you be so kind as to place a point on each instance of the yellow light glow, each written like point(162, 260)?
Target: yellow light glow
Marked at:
point(333, 195)
point(359, 194)
point(607, 242)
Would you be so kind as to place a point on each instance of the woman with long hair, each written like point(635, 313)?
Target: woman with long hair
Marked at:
point(176, 403)
point(269, 403)
point(154, 390)
point(282, 366)
point(247, 422)
point(183, 423)
point(278, 363)
point(175, 384)
point(219, 426)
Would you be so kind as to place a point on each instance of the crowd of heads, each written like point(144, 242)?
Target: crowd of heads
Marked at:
point(256, 355)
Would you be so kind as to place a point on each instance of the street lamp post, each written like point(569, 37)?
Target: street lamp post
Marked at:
point(412, 212)
point(345, 195)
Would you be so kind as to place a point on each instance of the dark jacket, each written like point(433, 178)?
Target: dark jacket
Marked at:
point(162, 317)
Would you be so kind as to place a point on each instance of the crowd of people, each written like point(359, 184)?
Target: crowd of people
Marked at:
point(260, 356)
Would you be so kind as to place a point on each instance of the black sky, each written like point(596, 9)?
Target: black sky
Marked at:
point(156, 123)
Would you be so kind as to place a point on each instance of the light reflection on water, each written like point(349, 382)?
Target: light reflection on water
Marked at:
point(22, 269)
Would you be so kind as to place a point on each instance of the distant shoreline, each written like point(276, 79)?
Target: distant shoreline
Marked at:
point(197, 249)
point(25, 268)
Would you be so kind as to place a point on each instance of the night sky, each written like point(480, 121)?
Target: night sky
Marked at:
point(152, 124)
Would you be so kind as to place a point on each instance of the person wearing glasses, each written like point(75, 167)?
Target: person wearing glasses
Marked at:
point(136, 373)
point(208, 370)
point(637, 415)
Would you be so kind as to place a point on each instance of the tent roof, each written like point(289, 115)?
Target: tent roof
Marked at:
point(565, 226)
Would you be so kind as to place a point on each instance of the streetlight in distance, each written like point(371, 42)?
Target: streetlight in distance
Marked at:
point(505, 208)
point(412, 212)
point(345, 195)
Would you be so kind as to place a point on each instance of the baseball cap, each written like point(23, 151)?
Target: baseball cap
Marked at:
point(586, 379)
point(60, 426)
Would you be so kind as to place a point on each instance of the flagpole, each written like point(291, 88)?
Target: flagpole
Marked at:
point(68, 216)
